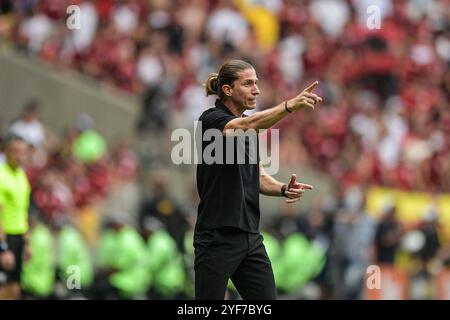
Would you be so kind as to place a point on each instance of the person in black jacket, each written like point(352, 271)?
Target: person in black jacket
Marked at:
point(388, 236)
point(166, 210)
point(227, 240)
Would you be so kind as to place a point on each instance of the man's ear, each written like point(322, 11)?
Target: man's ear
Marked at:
point(227, 89)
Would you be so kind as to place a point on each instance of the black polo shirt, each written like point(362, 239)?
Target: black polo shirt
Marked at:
point(229, 192)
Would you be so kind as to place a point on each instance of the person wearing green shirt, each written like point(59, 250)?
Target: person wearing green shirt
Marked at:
point(166, 265)
point(38, 273)
point(14, 203)
point(123, 260)
point(73, 251)
point(131, 278)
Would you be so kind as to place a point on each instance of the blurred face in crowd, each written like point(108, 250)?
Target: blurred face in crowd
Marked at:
point(31, 113)
point(16, 153)
point(30, 116)
point(244, 91)
point(391, 214)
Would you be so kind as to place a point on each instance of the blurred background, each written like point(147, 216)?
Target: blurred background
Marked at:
point(98, 105)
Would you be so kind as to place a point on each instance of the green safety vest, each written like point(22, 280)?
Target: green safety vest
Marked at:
point(301, 261)
point(38, 273)
point(106, 250)
point(167, 267)
point(74, 252)
point(130, 258)
point(14, 200)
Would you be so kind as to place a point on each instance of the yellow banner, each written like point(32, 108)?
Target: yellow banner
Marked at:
point(411, 206)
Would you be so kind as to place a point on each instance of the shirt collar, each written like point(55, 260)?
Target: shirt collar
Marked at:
point(220, 105)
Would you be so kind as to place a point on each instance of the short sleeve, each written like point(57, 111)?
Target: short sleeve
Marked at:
point(215, 119)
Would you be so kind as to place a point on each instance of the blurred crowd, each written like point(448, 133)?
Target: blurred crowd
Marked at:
point(319, 253)
point(385, 118)
point(84, 248)
point(85, 240)
point(73, 169)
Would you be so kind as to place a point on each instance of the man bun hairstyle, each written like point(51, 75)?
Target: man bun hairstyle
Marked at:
point(212, 84)
point(228, 73)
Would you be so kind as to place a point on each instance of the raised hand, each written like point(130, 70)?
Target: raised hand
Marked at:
point(305, 99)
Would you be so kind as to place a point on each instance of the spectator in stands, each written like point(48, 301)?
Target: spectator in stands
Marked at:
point(28, 125)
point(123, 261)
point(166, 264)
point(162, 207)
point(73, 257)
point(286, 223)
point(155, 108)
point(38, 273)
point(430, 228)
point(52, 195)
point(354, 235)
point(387, 236)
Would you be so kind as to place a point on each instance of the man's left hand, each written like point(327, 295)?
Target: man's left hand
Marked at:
point(296, 189)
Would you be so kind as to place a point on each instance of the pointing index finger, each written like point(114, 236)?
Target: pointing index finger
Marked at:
point(306, 186)
point(312, 86)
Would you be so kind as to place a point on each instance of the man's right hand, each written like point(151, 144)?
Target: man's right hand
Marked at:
point(305, 99)
point(7, 260)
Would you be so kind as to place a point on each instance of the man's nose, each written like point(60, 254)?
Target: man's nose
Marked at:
point(256, 91)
